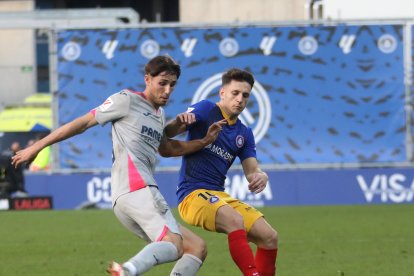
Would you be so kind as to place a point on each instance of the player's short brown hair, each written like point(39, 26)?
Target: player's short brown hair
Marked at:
point(237, 75)
point(160, 64)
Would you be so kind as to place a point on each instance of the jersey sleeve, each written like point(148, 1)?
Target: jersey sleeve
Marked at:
point(249, 147)
point(199, 110)
point(113, 108)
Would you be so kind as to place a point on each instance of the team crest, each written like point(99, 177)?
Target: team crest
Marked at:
point(239, 141)
point(213, 199)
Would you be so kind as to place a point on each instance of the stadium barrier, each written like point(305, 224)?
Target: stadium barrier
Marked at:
point(286, 187)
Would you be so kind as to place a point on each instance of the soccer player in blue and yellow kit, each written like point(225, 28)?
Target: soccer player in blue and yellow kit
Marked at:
point(201, 197)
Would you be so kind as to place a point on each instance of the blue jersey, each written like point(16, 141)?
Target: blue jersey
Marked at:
point(207, 168)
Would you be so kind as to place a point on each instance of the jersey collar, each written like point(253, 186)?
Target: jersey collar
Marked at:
point(227, 117)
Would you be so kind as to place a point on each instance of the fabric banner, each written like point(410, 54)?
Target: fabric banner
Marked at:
point(323, 94)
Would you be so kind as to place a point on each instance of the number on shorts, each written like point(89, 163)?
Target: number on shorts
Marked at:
point(203, 195)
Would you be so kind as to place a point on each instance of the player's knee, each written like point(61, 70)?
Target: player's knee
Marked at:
point(199, 249)
point(202, 250)
point(177, 241)
point(196, 247)
point(270, 239)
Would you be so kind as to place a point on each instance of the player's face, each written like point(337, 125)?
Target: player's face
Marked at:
point(234, 97)
point(159, 88)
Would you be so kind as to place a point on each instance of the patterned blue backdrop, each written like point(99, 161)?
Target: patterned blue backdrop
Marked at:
point(324, 94)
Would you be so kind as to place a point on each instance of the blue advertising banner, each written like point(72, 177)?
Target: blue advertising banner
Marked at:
point(285, 187)
point(323, 94)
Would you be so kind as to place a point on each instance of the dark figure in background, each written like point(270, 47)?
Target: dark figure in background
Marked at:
point(11, 178)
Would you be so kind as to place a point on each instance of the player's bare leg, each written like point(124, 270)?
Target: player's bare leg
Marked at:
point(195, 252)
point(266, 239)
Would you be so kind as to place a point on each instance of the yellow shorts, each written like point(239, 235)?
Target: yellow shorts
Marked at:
point(199, 208)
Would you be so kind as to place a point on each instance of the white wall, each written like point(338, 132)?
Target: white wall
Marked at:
point(218, 11)
point(17, 53)
point(368, 9)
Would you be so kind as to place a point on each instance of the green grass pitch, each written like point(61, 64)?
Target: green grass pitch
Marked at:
point(314, 240)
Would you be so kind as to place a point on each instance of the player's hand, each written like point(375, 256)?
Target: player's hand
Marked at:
point(26, 155)
point(258, 182)
point(185, 118)
point(214, 131)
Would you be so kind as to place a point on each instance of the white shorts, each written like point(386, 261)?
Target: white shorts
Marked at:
point(146, 214)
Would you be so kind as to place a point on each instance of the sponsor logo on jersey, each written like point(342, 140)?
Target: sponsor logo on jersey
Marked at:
point(189, 109)
point(106, 104)
point(221, 152)
point(149, 132)
point(239, 141)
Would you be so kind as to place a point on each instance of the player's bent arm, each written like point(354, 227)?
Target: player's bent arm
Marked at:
point(174, 128)
point(170, 147)
point(179, 124)
point(255, 176)
point(68, 130)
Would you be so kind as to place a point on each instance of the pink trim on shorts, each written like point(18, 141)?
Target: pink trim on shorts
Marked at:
point(163, 233)
point(135, 180)
point(93, 111)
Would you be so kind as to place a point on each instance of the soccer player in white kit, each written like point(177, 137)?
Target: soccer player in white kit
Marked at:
point(138, 122)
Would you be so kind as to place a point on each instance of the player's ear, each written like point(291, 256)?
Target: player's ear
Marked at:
point(221, 93)
point(147, 79)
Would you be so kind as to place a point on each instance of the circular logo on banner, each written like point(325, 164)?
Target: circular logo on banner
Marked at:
point(229, 47)
point(387, 43)
point(71, 51)
point(260, 122)
point(150, 48)
point(308, 45)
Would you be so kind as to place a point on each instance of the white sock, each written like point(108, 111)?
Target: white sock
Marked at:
point(131, 268)
point(188, 265)
point(153, 254)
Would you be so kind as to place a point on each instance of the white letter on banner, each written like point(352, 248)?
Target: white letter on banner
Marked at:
point(410, 193)
point(368, 191)
point(346, 43)
point(94, 191)
point(109, 48)
point(397, 192)
point(106, 189)
point(266, 44)
point(188, 45)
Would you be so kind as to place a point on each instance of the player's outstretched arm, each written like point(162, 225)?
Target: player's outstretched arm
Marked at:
point(257, 178)
point(70, 129)
point(170, 147)
point(179, 124)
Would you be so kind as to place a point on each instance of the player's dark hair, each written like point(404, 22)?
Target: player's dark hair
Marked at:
point(237, 75)
point(161, 64)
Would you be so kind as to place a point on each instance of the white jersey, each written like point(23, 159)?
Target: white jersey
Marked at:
point(137, 129)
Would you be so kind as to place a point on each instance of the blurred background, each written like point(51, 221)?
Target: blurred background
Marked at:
point(331, 109)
